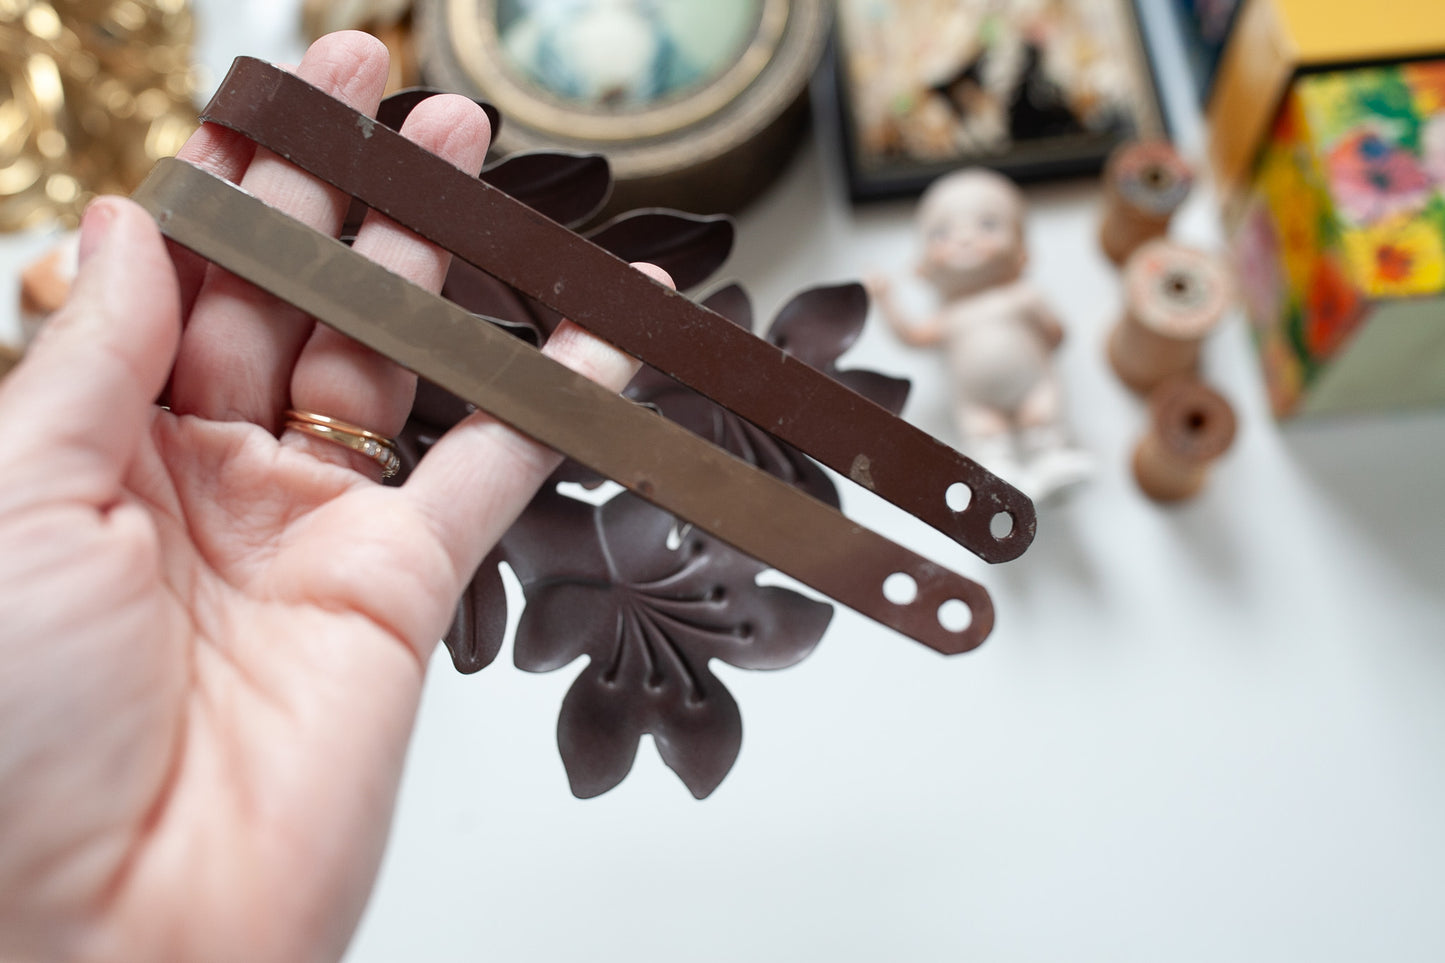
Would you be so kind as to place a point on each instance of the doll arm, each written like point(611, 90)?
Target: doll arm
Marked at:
point(1044, 318)
point(924, 335)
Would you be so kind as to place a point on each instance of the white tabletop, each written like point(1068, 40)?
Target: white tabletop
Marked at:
point(1210, 732)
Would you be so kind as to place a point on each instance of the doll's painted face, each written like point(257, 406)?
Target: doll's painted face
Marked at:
point(971, 224)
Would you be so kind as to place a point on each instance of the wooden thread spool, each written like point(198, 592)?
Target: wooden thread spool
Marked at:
point(1144, 184)
point(45, 284)
point(1190, 426)
point(1173, 297)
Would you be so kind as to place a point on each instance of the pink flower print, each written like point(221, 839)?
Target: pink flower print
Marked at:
point(1257, 264)
point(1432, 147)
point(1372, 178)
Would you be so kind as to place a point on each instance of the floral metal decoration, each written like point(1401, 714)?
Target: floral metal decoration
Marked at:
point(649, 601)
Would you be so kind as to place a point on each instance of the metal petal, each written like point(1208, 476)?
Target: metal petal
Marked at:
point(688, 247)
point(563, 621)
point(569, 188)
point(597, 733)
point(891, 393)
point(700, 739)
point(475, 635)
point(819, 324)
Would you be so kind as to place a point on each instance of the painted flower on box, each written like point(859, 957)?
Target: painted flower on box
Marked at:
point(1373, 178)
point(1283, 373)
point(1289, 123)
point(1336, 103)
point(1297, 211)
point(1432, 149)
point(1399, 258)
point(1333, 309)
point(1427, 80)
point(1256, 255)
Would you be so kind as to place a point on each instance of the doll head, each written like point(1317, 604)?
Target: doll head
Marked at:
point(972, 227)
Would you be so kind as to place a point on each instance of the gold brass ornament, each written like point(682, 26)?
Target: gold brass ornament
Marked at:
point(92, 94)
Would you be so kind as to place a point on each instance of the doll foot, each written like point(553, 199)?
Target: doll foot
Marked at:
point(1000, 457)
point(1052, 473)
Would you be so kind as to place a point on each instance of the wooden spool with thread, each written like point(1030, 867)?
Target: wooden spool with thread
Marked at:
point(1190, 426)
point(1173, 297)
point(45, 284)
point(1144, 184)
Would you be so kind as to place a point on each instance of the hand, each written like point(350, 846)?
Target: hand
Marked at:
point(214, 631)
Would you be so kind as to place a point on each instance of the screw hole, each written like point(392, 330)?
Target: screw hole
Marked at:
point(958, 497)
point(717, 594)
point(955, 615)
point(900, 588)
point(1001, 526)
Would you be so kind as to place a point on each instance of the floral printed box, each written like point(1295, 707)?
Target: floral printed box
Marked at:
point(1340, 247)
point(1272, 43)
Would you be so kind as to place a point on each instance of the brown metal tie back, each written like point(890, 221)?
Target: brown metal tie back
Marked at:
point(546, 261)
point(766, 518)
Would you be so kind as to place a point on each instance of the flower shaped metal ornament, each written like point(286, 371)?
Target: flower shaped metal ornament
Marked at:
point(618, 582)
point(615, 583)
point(650, 605)
point(649, 602)
point(817, 326)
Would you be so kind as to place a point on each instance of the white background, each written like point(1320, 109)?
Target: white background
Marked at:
point(1213, 732)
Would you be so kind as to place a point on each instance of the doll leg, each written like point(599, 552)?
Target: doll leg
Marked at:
point(1052, 463)
point(988, 438)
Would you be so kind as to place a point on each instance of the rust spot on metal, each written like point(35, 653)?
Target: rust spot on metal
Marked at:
point(861, 471)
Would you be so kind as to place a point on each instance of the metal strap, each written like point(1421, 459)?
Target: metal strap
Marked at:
point(522, 248)
point(659, 460)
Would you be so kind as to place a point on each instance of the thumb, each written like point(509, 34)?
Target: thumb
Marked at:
point(76, 406)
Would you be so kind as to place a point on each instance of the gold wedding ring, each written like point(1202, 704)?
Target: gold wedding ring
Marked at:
point(378, 448)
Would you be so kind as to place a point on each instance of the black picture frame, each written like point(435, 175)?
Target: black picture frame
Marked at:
point(1053, 147)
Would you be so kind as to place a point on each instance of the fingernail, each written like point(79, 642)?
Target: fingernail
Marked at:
point(95, 227)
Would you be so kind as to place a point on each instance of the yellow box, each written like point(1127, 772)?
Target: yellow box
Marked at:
point(1275, 40)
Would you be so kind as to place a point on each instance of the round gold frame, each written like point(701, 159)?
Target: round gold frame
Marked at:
point(709, 148)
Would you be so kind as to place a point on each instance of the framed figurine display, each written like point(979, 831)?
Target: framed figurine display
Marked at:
point(1031, 88)
point(694, 103)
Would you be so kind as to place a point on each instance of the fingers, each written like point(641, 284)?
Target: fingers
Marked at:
point(76, 408)
point(337, 377)
point(477, 479)
point(226, 154)
point(241, 344)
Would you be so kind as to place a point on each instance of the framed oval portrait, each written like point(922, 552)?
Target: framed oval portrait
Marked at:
point(694, 102)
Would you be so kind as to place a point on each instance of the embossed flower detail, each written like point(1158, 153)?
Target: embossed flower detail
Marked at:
point(650, 608)
point(817, 326)
point(648, 601)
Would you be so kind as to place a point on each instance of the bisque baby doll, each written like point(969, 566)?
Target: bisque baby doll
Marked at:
point(998, 333)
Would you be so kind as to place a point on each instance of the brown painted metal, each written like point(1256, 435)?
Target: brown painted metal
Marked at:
point(659, 460)
point(524, 249)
